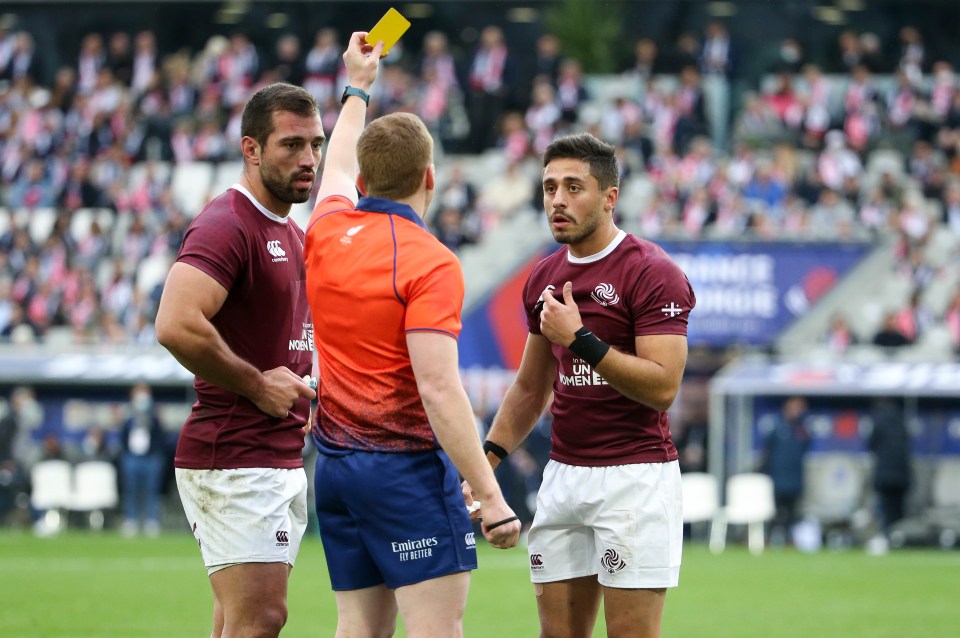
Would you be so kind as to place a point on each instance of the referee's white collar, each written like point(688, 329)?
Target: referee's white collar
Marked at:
point(260, 207)
point(589, 259)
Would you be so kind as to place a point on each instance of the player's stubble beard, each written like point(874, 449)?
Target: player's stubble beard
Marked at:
point(281, 186)
point(577, 231)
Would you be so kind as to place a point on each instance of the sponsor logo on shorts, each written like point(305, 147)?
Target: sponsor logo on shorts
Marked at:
point(470, 540)
point(283, 539)
point(414, 549)
point(612, 562)
point(536, 562)
point(195, 535)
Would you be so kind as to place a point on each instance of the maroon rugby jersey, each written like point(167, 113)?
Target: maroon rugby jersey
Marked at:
point(630, 288)
point(265, 320)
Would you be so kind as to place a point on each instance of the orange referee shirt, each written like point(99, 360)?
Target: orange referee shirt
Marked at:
point(374, 274)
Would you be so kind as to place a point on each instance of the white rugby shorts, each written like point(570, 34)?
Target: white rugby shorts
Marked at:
point(246, 515)
point(622, 523)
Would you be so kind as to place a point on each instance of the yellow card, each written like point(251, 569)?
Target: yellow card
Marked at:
point(391, 26)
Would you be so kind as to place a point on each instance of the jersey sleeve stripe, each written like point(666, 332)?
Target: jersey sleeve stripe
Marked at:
point(437, 330)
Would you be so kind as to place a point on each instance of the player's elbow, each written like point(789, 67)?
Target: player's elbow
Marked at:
point(661, 399)
point(169, 333)
point(433, 395)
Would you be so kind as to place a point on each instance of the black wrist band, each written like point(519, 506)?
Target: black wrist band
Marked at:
point(352, 90)
point(588, 347)
point(499, 452)
point(503, 522)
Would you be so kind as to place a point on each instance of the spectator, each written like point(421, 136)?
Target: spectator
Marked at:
point(142, 464)
point(645, 64)
point(784, 450)
point(839, 336)
point(952, 320)
point(889, 335)
point(890, 444)
point(144, 62)
point(120, 58)
point(289, 65)
point(489, 80)
point(323, 61)
point(33, 189)
point(21, 415)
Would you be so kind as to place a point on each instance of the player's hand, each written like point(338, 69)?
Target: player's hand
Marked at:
point(560, 321)
point(362, 61)
point(501, 536)
point(281, 388)
point(473, 505)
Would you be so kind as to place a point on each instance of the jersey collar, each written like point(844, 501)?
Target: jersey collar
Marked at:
point(589, 259)
point(260, 207)
point(389, 207)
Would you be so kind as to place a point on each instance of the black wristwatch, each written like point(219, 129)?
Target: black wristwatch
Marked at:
point(360, 93)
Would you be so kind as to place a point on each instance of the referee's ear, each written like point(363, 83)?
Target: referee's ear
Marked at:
point(429, 178)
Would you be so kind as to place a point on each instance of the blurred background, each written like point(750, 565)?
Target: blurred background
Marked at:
point(800, 160)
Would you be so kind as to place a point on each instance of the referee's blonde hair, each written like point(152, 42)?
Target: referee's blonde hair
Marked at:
point(393, 153)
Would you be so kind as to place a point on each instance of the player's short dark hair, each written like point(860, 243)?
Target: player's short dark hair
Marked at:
point(257, 120)
point(393, 152)
point(583, 146)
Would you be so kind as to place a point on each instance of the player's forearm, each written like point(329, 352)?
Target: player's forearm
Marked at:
point(200, 349)
point(518, 414)
point(640, 380)
point(453, 423)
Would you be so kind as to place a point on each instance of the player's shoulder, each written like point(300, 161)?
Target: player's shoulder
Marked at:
point(223, 209)
point(546, 266)
point(326, 210)
point(646, 255)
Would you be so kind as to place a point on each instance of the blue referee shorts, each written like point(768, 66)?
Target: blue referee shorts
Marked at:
point(391, 518)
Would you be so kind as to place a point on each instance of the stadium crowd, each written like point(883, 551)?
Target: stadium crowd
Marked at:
point(854, 145)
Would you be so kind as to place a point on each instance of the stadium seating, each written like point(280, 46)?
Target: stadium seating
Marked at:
point(701, 497)
point(94, 490)
point(749, 502)
point(52, 493)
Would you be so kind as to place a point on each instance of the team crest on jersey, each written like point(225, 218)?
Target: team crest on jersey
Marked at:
point(605, 295)
point(346, 240)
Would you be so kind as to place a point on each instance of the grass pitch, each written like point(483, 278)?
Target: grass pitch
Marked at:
point(83, 585)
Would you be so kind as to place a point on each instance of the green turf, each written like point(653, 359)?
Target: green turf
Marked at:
point(86, 585)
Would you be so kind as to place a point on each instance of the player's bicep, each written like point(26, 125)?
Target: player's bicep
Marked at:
point(189, 295)
point(667, 351)
point(538, 367)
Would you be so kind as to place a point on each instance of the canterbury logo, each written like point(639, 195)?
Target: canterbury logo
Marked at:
point(605, 295)
point(282, 538)
point(536, 561)
point(612, 562)
point(273, 247)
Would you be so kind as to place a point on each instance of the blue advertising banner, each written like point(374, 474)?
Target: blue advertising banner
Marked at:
point(749, 292)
